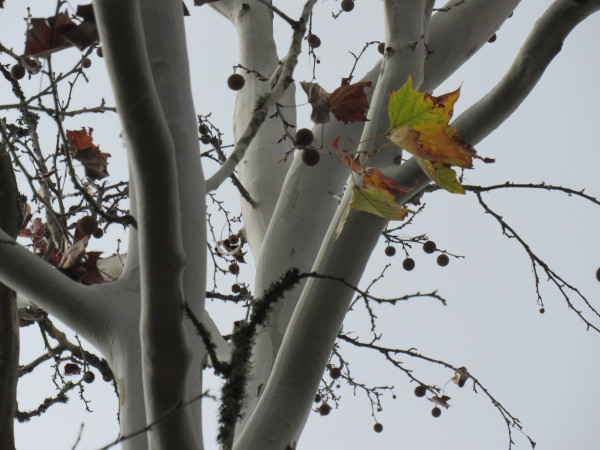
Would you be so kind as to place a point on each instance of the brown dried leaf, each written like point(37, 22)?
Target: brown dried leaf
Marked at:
point(89, 154)
point(349, 103)
point(442, 401)
point(72, 257)
point(461, 376)
point(41, 40)
point(319, 99)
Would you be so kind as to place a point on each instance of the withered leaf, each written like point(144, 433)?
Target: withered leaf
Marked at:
point(47, 35)
point(89, 154)
point(442, 401)
point(461, 376)
point(72, 257)
point(41, 40)
point(319, 99)
point(92, 273)
point(349, 103)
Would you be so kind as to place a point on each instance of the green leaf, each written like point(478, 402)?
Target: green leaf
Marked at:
point(442, 174)
point(378, 201)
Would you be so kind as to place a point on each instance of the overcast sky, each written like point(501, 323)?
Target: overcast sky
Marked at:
point(542, 368)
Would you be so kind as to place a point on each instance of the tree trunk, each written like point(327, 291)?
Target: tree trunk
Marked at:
point(9, 323)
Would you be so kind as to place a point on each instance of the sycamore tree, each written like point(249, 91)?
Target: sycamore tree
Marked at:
point(314, 205)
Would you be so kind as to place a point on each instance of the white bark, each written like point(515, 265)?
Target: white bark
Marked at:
point(256, 151)
point(542, 45)
point(306, 205)
point(167, 263)
point(457, 34)
point(145, 109)
point(281, 412)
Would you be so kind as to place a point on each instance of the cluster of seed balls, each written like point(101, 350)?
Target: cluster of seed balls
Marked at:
point(420, 391)
point(324, 408)
point(428, 247)
point(304, 137)
point(18, 72)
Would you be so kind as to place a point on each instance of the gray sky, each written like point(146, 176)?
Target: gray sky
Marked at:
point(542, 368)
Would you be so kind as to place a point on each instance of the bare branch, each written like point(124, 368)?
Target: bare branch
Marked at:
point(280, 81)
point(556, 279)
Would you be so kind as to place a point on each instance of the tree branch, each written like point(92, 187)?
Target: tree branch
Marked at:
point(280, 81)
point(151, 148)
point(542, 45)
point(308, 340)
point(9, 321)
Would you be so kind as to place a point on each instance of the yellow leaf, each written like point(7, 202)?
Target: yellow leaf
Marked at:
point(419, 124)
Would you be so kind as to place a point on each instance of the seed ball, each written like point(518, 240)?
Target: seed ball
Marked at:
point(243, 291)
point(304, 137)
point(234, 268)
point(87, 225)
point(436, 412)
point(98, 233)
point(106, 378)
point(378, 427)
point(205, 139)
point(99, 52)
point(324, 409)
point(443, 260)
point(235, 82)
point(313, 40)
point(235, 288)
point(17, 72)
point(317, 398)
point(542, 310)
point(492, 39)
point(203, 129)
point(598, 274)
point(408, 264)
point(86, 63)
point(390, 250)
point(310, 156)
point(429, 247)
point(335, 373)
point(233, 239)
point(420, 390)
point(89, 376)
point(381, 48)
point(347, 5)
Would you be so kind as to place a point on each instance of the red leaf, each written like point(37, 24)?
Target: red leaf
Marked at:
point(41, 40)
point(89, 154)
point(349, 103)
point(93, 274)
point(26, 215)
point(336, 143)
point(352, 161)
point(36, 233)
